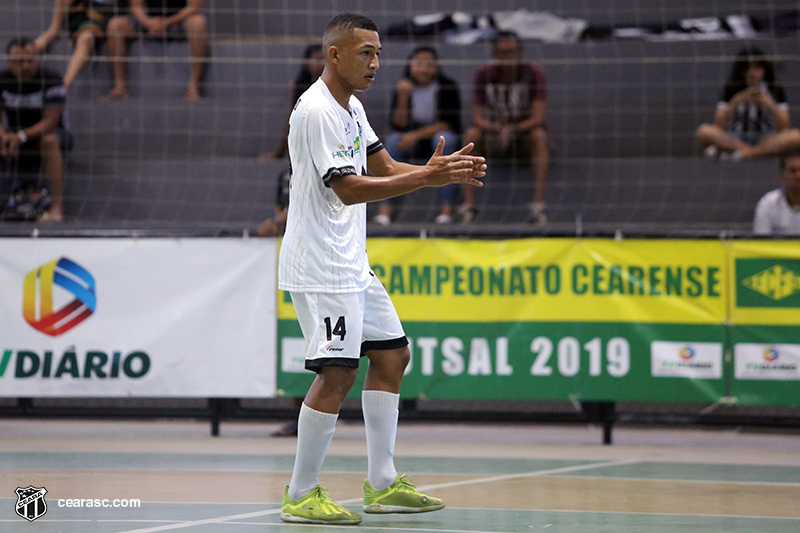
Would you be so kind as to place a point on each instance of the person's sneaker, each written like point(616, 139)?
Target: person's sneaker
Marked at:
point(316, 507)
point(399, 497)
point(711, 152)
point(468, 213)
point(444, 219)
point(536, 214)
point(382, 219)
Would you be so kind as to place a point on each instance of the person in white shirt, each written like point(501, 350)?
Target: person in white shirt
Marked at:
point(343, 309)
point(778, 211)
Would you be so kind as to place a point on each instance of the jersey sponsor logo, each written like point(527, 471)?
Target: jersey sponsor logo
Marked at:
point(349, 151)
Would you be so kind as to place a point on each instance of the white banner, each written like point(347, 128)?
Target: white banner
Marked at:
point(779, 362)
point(138, 317)
point(699, 360)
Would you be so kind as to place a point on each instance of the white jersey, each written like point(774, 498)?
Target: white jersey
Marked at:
point(325, 245)
point(774, 215)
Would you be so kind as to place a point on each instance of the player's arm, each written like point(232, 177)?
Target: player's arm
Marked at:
point(538, 110)
point(192, 7)
point(395, 178)
point(49, 122)
point(51, 34)
point(480, 120)
point(782, 120)
point(138, 11)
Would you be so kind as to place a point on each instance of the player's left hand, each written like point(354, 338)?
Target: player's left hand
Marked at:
point(458, 167)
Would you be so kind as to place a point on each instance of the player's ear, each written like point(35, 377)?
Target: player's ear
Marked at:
point(333, 54)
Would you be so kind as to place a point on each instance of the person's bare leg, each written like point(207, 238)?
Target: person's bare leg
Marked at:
point(540, 163)
point(330, 388)
point(781, 142)
point(197, 33)
point(386, 367)
point(84, 43)
point(119, 31)
point(475, 136)
point(709, 134)
point(54, 171)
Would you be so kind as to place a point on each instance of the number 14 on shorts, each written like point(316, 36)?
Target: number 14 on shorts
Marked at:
point(339, 329)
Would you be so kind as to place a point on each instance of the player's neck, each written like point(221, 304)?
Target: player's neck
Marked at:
point(792, 197)
point(340, 93)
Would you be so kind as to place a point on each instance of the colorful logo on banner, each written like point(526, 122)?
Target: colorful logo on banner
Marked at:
point(770, 354)
point(767, 283)
point(686, 352)
point(37, 296)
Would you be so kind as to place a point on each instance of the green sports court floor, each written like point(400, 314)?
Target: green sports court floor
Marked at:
point(498, 478)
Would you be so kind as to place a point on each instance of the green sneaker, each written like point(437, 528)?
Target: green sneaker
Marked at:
point(399, 497)
point(316, 507)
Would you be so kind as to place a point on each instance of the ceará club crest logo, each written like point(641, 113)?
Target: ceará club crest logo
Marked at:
point(61, 281)
point(30, 502)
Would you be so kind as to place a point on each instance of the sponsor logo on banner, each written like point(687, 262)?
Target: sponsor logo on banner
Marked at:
point(66, 281)
point(30, 502)
point(778, 362)
point(767, 283)
point(702, 360)
point(38, 296)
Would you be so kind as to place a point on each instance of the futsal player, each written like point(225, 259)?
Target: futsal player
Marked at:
point(343, 309)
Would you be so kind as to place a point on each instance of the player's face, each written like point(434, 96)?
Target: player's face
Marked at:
point(790, 175)
point(423, 68)
point(358, 59)
point(507, 51)
point(22, 62)
point(754, 75)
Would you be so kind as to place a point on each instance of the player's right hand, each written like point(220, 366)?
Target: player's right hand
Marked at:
point(458, 167)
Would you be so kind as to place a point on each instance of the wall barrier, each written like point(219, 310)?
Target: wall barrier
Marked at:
point(590, 320)
point(137, 317)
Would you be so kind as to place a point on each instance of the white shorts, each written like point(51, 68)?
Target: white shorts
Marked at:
point(340, 328)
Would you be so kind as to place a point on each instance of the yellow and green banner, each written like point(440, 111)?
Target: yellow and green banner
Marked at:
point(765, 322)
point(582, 319)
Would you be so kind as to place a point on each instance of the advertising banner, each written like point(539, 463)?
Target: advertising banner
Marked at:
point(581, 319)
point(137, 317)
point(765, 322)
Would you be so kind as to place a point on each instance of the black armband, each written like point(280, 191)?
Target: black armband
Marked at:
point(334, 172)
point(374, 148)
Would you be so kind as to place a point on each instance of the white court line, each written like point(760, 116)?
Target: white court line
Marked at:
point(223, 519)
point(643, 513)
point(790, 484)
point(562, 470)
point(362, 527)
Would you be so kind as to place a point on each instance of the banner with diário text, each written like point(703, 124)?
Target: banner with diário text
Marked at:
point(112, 317)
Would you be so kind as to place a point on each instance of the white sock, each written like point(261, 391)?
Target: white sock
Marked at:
point(314, 434)
point(380, 419)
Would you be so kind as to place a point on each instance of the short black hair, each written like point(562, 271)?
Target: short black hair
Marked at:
point(421, 50)
point(785, 159)
point(22, 42)
point(347, 22)
point(499, 36)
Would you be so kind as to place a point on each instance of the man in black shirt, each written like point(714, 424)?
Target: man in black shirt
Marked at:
point(158, 19)
point(32, 101)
